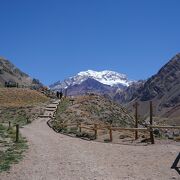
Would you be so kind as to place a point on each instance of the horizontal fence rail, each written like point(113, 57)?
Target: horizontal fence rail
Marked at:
point(95, 127)
point(164, 127)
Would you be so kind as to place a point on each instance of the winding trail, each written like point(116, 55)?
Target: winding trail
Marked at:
point(53, 156)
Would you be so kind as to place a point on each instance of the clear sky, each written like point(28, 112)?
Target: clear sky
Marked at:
point(54, 39)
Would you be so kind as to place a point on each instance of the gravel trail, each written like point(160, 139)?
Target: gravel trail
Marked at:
point(53, 156)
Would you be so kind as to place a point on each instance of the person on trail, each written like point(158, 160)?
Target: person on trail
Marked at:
point(61, 95)
point(57, 94)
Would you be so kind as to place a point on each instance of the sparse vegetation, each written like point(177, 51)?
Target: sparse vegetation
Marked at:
point(85, 135)
point(18, 106)
point(73, 130)
point(10, 152)
point(107, 140)
point(16, 116)
point(177, 138)
point(93, 109)
point(88, 110)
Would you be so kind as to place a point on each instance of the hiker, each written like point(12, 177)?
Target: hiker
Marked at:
point(57, 94)
point(61, 95)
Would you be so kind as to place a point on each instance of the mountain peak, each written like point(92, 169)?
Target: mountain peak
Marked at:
point(106, 77)
point(100, 73)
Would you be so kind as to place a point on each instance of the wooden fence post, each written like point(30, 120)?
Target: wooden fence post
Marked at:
point(9, 125)
point(80, 127)
point(95, 131)
point(136, 119)
point(27, 118)
point(110, 134)
point(77, 126)
point(17, 132)
point(151, 123)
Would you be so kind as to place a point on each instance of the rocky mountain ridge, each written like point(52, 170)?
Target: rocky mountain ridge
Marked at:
point(162, 88)
point(106, 77)
point(90, 86)
point(10, 74)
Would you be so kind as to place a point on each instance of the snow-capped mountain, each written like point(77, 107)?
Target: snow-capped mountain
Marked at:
point(106, 77)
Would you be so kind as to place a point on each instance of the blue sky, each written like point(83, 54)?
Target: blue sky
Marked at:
point(54, 39)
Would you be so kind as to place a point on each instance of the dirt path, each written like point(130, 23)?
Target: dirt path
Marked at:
point(53, 156)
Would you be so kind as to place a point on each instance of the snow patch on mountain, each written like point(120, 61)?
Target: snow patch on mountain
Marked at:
point(110, 78)
point(106, 77)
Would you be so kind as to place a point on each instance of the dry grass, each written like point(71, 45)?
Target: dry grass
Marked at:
point(18, 106)
point(18, 97)
point(89, 110)
point(93, 109)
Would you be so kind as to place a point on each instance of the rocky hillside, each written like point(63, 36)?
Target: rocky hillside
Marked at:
point(10, 74)
point(162, 88)
point(89, 109)
point(129, 93)
point(166, 83)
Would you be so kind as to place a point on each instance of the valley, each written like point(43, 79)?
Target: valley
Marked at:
point(90, 90)
point(162, 88)
point(94, 105)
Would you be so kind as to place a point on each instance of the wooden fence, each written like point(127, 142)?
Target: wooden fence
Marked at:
point(149, 128)
point(96, 127)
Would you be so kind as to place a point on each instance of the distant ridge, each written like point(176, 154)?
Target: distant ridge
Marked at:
point(11, 74)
